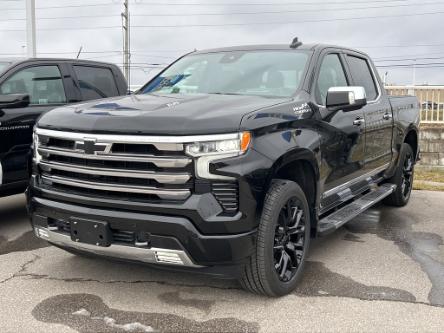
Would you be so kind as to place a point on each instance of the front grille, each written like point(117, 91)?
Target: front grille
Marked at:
point(126, 167)
point(227, 194)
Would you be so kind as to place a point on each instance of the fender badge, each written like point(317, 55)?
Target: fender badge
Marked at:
point(301, 109)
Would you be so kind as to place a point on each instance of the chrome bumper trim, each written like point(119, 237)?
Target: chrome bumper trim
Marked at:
point(151, 255)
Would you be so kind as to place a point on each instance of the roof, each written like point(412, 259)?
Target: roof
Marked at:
point(83, 61)
point(311, 47)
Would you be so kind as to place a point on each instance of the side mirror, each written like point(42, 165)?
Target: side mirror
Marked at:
point(14, 101)
point(346, 98)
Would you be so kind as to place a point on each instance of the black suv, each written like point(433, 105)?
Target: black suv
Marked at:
point(227, 162)
point(29, 87)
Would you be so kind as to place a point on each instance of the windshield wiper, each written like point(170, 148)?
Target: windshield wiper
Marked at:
point(224, 93)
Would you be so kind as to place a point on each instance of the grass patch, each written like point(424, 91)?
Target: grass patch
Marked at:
point(430, 176)
point(428, 180)
point(421, 185)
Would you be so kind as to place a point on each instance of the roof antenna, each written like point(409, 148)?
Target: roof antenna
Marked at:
point(295, 43)
point(80, 51)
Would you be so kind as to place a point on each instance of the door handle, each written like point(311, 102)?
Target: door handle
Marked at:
point(387, 116)
point(358, 121)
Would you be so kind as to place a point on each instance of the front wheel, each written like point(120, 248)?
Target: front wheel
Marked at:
point(282, 241)
point(403, 178)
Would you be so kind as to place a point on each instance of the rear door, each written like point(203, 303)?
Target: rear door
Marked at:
point(342, 133)
point(45, 84)
point(377, 113)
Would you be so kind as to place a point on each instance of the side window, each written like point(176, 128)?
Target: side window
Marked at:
point(96, 82)
point(43, 84)
point(362, 76)
point(331, 74)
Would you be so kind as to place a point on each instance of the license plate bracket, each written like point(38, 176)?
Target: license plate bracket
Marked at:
point(90, 232)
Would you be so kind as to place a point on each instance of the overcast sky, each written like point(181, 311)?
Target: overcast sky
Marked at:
point(400, 31)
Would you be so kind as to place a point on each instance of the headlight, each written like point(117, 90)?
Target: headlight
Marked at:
point(223, 146)
point(235, 146)
point(35, 144)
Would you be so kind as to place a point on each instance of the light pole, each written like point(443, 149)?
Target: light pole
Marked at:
point(30, 29)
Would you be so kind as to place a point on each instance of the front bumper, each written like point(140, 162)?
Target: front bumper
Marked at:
point(146, 255)
point(174, 240)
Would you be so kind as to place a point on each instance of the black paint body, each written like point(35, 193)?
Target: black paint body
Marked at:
point(16, 125)
point(335, 151)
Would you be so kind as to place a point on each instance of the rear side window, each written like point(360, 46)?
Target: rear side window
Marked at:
point(43, 84)
point(362, 76)
point(331, 74)
point(96, 82)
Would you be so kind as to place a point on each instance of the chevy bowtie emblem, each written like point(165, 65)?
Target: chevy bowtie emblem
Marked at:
point(91, 147)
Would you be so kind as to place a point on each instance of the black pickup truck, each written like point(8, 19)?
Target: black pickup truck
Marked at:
point(226, 163)
point(29, 87)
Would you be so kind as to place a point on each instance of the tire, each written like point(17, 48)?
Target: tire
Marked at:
point(403, 178)
point(279, 240)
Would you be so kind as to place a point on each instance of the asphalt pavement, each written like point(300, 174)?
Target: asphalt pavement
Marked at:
point(384, 271)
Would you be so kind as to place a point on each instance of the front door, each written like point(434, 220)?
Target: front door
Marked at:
point(342, 132)
point(44, 85)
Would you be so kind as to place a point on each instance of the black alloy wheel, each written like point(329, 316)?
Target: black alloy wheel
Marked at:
point(283, 240)
point(402, 178)
point(289, 240)
point(407, 176)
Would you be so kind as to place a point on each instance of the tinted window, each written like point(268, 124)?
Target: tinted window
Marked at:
point(43, 84)
point(331, 74)
point(362, 76)
point(263, 73)
point(96, 82)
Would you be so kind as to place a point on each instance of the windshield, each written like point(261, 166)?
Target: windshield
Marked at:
point(3, 65)
point(264, 73)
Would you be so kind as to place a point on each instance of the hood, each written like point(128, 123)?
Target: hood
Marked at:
point(158, 114)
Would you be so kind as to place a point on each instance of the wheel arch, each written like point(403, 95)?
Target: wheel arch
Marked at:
point(412, 139)
point(300, 166)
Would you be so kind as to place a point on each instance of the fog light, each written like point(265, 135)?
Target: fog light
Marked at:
point(42, 233)
point(168, 258)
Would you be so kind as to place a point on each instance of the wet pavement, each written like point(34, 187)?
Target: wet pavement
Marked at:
point(384, 271)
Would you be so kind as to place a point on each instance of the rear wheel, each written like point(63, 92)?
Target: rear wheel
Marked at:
point(282, 242)
point(403, 178)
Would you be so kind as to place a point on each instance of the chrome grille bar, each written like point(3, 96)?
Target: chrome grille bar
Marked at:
point(170, 194)
point(163, 178)
point(109, 165)
point(161, 162)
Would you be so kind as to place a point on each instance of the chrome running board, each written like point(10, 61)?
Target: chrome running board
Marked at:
point(338, 218)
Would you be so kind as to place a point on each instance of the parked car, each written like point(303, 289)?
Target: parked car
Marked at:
point(227, 162)
point(29, 87)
